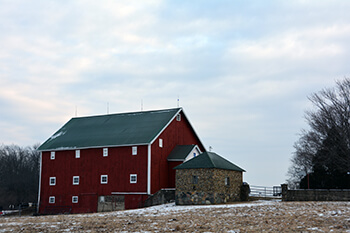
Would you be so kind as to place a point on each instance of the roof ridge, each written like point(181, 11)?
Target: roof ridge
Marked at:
point(126, 113)
point(209, 153)
point(207, 160)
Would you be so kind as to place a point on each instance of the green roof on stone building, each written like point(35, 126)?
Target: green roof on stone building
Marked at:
point(137, 128)
point(209, 160)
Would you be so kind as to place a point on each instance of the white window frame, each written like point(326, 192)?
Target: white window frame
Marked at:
point(54, 181)
point(102, 178)
point(75, 199)
point(134, 150)
point(52, 200)
point(76, 177)
point(105, 152)
point(160, 143)
point(133, 178)
point(52, 155)
point(77, 154)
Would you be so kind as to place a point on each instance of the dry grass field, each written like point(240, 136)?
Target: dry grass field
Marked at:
point(258, 216)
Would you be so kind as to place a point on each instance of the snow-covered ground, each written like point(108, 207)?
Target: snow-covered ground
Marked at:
point(4, 212)
point(270, 216)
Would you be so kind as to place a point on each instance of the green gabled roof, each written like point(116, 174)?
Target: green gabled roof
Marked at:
point(209, 160)
point(180, 152)
point(110, 130)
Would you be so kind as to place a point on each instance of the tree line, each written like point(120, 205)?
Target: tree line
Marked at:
point(321, 158)
point(322, 154)
point(19, 175)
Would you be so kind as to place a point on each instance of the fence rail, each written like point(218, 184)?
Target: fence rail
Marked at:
point(263, 191)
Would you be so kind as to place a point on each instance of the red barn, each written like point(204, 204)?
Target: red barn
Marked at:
point(113, 161)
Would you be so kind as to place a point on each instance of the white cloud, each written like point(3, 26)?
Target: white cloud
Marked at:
point(294, 45)
point(242, 70)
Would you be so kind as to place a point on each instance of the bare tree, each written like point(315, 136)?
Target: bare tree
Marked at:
point(19, 174)
point(322, 151)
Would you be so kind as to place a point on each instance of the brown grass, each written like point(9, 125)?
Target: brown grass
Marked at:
point(267, 216)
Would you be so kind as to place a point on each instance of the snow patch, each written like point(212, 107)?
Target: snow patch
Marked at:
point(66, 148)
point(165, 209)
point(57, 135)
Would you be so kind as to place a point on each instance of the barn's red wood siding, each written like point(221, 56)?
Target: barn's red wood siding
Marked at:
point(134, 201)
point(177, 133)
point(118, 165)
point(172, 173)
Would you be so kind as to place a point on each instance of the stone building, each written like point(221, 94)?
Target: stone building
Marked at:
point(208, 179)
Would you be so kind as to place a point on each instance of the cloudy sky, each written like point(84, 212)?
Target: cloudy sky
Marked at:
point(241, 69)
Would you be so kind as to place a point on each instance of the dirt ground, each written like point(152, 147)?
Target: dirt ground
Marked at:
point(260, 216)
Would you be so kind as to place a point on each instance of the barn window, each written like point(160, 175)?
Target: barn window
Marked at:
point(227, 181)
point(52, 200)
point(77, 154)
point(52, 181)
point(75, 180)
point(75, 199)
point(160, 142)
point(195, 180)
point(104, 179)
point(105, 152)
point(178, 117)
point(194, 154)
point(134, 150)
point(52, 157)
point(133, 178)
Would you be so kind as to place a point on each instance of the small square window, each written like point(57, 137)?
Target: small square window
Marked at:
point(75, 180)
point(105, 152)
point(195, 180)
point(194, 154)
point(52, 157)
point(160, 142)
point(52, 181)
point(52, 200)
point(227, 181)
point(104, 179)
point(75, 199)
point(134, 150)
point(77, 154)
point(178, 117)
point(133, 178)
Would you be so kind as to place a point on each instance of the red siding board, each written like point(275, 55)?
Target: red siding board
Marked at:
point(172, 173)
point(134, 201)
point(118, 165)
point(177, 133)
point(87, 203)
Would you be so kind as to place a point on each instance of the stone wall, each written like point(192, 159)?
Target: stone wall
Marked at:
point(163, 196)
point(315, 194)
point(110, 203)
point(210, 188)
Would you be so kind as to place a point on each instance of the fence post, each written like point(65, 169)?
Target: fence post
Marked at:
point(245, 190)
point(284, 191)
